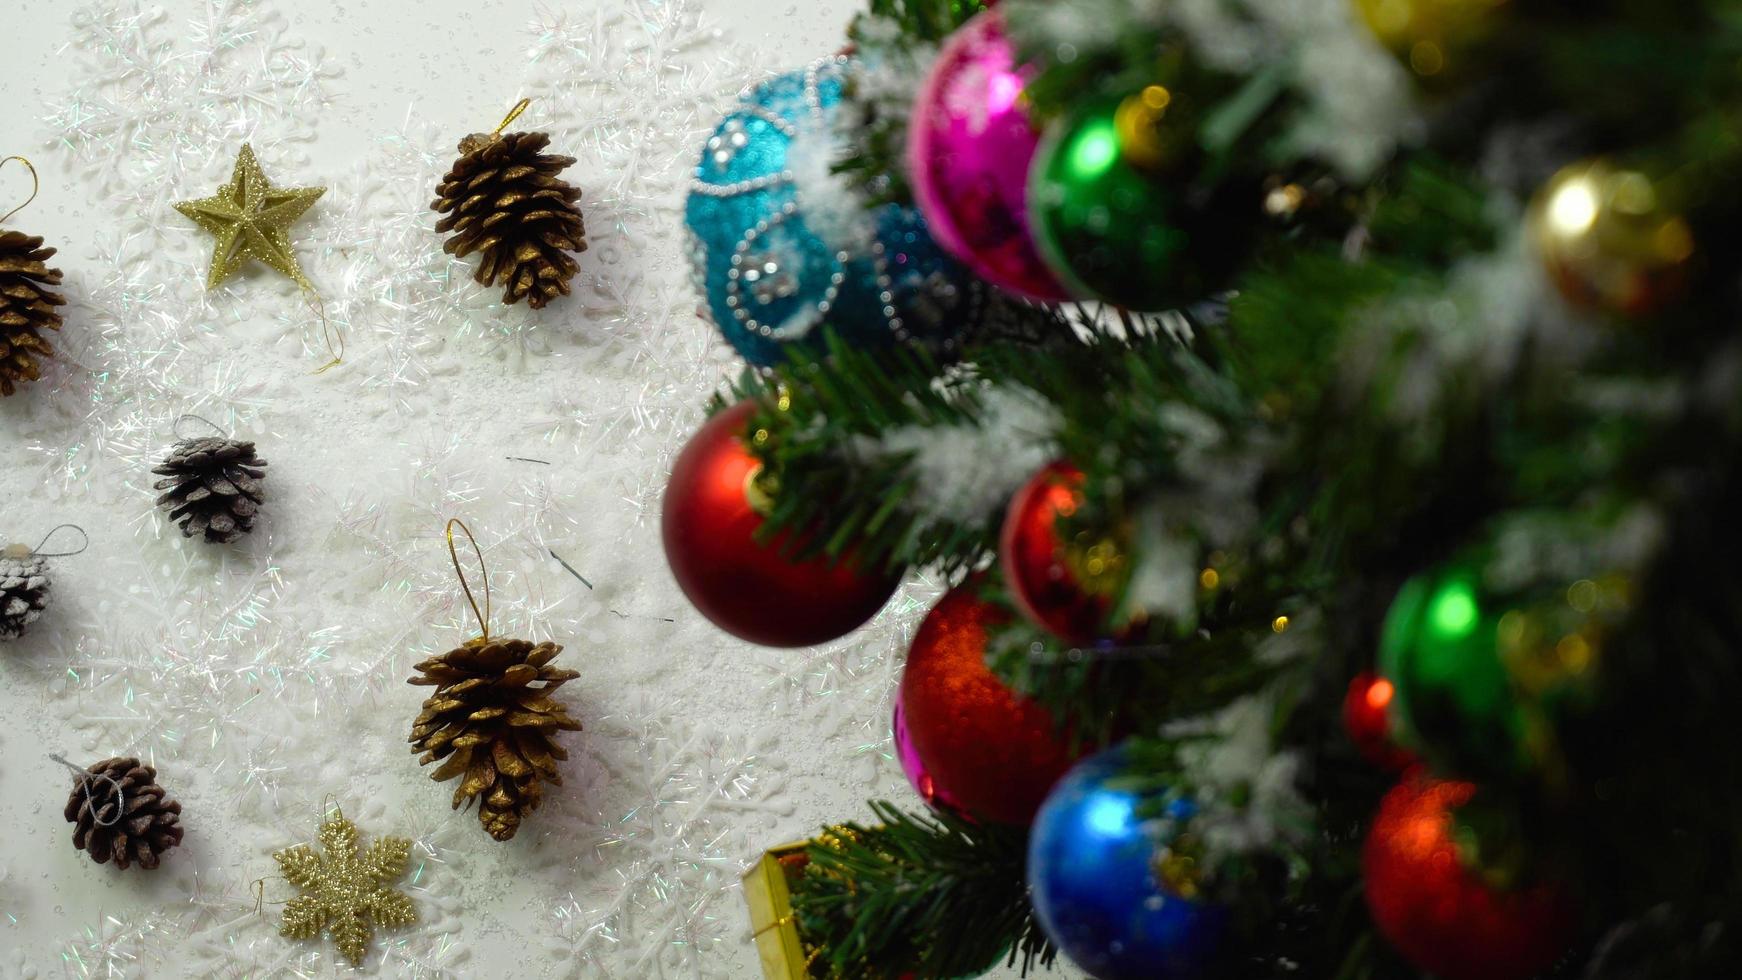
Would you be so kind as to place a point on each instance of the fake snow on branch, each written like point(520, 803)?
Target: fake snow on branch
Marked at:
point(1492, 309)
point(1243, 785)
point(967, 471)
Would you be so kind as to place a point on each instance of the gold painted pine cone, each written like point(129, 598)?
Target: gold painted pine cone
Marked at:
point(139, 826)
point(492, 721)
point(504, 200)
point(27, 307)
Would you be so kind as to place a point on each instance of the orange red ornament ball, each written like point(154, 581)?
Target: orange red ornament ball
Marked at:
point(989, 751)
point(1441, 915)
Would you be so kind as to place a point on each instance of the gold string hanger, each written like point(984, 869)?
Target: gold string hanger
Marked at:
point(513, 114)
point(483, 617)
point(478, 141)
point(259, 884)
point(35, 184)
point(785, 920)
point(328, 333)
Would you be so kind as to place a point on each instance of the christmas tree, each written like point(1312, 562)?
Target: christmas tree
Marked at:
point(1329, 412)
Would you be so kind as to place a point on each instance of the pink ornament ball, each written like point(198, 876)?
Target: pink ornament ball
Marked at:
point(968, 151)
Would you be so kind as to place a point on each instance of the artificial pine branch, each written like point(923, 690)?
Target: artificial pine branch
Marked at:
point(892, 39)
point(1114, 60)
point(934, 896)
point(821, 412)
point(1436, 214)
point(1095, 695)
point(1392, 424)
point(922, 20)
point(816, 409)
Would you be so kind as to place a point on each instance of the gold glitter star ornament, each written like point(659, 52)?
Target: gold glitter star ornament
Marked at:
point(251, 219)
point(345, 892)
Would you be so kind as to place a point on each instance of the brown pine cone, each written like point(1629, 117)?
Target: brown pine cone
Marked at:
point(123, 818)
point(213, 487)
point(27, 307)
point(493, 719)
point(503, 198)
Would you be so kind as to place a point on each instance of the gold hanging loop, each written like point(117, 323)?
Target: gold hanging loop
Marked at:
point(35, 185)
point(328, 333)
point(513, 114)
point(259, 887)
point(483, 617)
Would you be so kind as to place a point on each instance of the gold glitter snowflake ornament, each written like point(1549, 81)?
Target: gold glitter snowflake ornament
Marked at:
point(345, 892)
point(250, 219)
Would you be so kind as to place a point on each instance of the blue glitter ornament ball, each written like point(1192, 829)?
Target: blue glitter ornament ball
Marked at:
point(1092, 880)
point(779, 249)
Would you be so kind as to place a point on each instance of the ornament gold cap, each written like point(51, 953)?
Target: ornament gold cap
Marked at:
point(760, 486)
point(1138, 122)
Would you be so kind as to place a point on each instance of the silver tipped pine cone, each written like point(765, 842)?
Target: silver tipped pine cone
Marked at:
point(23, 592)
point(124, 818)
point(27, 307)
point(504, 200)
point(213, 487)
point(494, 722)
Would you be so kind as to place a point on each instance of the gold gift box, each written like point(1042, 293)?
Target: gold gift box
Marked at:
point(771, 920)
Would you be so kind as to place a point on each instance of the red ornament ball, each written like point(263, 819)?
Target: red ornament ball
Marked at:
point(1438, 913)
point(1064, 587)
point(987, 750)
point(747, 588)
point(1367, 719)
point(913, 766)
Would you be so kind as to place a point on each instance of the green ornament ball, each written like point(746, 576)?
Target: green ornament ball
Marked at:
point(1454, 699)
point(1103, 220)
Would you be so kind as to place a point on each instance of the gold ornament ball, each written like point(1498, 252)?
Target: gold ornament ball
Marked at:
point(1435, 38)
point(1609, 240)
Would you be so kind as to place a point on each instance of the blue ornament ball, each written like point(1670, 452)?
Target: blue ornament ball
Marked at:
point(780, 247)
point(1092, 880)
